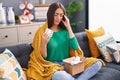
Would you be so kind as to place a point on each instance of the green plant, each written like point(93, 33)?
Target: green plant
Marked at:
point(73, 7)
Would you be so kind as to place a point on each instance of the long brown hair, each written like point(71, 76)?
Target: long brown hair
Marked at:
point(50, 14)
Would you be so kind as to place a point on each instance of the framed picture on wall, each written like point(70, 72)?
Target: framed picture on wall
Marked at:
point(23, 19)
point(41, 12)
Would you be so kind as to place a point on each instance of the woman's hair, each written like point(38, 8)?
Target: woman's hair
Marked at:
point(51, 11)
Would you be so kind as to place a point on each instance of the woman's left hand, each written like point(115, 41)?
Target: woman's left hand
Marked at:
point(66, 22)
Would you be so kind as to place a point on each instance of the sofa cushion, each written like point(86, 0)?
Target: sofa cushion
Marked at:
point(21, 52)
point(83, 42)
point(114, 52)
point(102, 42)
point(92, 45)
point(10, 66)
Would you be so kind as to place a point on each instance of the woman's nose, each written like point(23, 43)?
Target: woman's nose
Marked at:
point(59, 17)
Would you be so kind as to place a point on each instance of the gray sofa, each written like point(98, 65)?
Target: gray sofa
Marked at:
point(110, 72)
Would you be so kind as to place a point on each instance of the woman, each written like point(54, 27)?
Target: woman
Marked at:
point(49, 51)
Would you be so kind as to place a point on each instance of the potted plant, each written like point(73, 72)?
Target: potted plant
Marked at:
point(72, 8)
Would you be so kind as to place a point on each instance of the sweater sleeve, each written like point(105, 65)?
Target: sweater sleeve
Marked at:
point(73, 43)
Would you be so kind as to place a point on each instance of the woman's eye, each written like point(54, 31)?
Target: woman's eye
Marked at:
point(55, 14)
point(61, 15)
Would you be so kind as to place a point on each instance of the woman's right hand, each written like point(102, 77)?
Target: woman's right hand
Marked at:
point(45, 38)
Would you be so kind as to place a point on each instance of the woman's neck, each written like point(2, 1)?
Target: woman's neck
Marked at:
point(55, 28)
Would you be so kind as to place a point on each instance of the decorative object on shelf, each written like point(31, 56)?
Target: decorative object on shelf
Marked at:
point(27, 6)
point(2, 14)
point(42, 1)
point(41, 12)
point(11, 16)
point(24, 19)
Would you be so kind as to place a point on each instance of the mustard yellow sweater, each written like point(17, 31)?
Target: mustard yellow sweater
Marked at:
point(39, 68)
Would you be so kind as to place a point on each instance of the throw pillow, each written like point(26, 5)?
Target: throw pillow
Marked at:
point(11, 67)
point(102, 42)
point(113, 50)
point(92, 45)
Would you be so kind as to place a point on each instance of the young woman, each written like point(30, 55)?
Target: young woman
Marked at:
point(51, 48)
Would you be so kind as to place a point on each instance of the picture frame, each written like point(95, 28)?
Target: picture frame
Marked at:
point(40, 12)
point(23, 19)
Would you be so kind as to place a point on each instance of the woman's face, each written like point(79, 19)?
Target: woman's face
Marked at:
point(58, 16)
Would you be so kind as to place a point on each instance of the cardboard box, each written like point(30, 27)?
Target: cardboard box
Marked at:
point(76, 68)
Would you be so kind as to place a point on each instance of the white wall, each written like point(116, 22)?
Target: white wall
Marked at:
point(105, 13)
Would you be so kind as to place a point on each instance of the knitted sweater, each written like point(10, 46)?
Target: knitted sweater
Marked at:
point(59, 44)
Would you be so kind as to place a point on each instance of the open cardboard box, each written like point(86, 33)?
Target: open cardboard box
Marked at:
point(76, 68)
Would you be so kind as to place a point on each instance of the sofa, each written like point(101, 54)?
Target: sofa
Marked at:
point(109, 72)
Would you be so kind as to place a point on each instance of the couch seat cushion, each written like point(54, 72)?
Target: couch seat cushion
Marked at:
point(113, 65)
point(107, 74)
